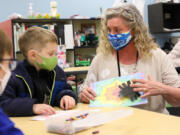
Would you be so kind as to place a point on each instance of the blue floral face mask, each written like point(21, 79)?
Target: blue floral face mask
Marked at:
point(119, 41)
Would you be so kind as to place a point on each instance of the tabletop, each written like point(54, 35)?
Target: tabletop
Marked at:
point(141, 122)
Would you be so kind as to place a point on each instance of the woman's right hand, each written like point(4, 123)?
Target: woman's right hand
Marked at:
point(86, 95)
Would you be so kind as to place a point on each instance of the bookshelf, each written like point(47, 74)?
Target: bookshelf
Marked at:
point(58, 26)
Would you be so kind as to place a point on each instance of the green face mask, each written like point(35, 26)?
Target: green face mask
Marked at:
point(48, 63)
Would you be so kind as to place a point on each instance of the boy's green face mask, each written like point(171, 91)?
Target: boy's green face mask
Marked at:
point(47, 63)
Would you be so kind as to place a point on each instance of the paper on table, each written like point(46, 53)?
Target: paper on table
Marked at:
point(58, 113)
point(61, 113)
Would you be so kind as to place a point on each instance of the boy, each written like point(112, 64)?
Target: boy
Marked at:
point(37, 82)
point(6, 125)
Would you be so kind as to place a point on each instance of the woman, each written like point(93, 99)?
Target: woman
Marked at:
point(6, 126)
point(175, 56)
point(126, 47)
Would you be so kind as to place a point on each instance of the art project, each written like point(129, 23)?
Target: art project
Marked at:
point(113, 92)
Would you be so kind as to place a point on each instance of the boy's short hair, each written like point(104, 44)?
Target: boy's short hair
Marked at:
point(5, 45)
point(35, 38)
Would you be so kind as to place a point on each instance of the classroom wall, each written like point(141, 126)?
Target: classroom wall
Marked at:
point(65, 7)
point(68, 8)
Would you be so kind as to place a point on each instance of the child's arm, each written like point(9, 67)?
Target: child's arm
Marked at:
point(13, 105)
point(66, 90)
point(7, 126)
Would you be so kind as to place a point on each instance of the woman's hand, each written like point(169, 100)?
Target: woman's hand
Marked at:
point(67, 103)
point(148, 87)
point(86, 95)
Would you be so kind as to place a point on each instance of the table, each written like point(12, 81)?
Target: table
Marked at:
point(76, 71)
point(140, 123)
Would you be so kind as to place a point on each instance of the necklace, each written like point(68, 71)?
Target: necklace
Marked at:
point(134, 68)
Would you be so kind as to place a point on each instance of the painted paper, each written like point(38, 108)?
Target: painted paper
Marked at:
point(108, 92)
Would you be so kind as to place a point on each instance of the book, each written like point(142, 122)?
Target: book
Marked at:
point(109, 92)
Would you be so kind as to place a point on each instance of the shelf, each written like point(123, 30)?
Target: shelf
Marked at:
point(81, 47)
point(76, 23)
point(69, 49)
point(177, 34)
point(76, 70)
point(85, 47)
point(18, 52)
point(30, 21)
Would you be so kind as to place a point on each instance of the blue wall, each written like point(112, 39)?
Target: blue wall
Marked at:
point(68, 8)
point(65, 7)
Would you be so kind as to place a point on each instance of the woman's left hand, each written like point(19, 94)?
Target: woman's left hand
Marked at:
point(67, 103)
point(148, 87)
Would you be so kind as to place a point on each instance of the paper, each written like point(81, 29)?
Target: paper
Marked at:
point(58, 113)
point(108, 91)
point(59, 124)
point(69, 40)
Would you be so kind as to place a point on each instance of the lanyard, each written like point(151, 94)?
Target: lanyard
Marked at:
point(119, 68)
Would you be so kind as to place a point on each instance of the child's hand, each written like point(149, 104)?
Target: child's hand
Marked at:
point(67, 102)
point(43, 109)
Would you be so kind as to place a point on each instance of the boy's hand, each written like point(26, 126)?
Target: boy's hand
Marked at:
point(67, 102)
point(43, 109)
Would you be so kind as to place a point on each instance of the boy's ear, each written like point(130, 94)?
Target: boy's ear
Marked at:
point(31, 55)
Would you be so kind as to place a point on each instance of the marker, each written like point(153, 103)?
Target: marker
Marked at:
point(95, 132)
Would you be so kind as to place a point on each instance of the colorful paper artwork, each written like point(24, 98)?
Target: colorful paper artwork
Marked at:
point(108, 92)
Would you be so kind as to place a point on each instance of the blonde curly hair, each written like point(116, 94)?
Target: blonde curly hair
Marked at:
point(143, 40)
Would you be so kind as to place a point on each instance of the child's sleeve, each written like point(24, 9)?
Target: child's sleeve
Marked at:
point(66, 90)
point(7, 126)
point(13, 105)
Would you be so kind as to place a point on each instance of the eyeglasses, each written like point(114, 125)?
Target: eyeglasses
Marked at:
point(12, 63)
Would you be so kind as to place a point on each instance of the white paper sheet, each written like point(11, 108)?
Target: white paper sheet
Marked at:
point(58, 113)
point(61, 113)
point(69, 40)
